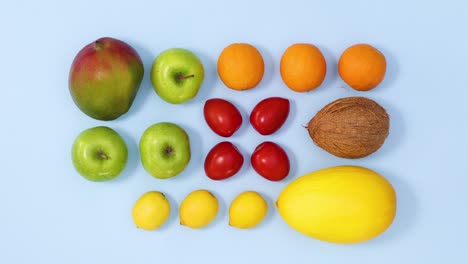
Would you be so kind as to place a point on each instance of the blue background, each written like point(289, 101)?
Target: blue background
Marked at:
point(49, 214)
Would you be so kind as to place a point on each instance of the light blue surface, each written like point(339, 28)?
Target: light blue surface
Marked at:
point(49, 214)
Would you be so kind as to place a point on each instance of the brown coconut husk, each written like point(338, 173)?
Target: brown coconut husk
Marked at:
point(351, 127)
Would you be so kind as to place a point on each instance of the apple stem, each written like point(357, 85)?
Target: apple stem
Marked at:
point(181, 77)
point(98, 45)
point(103, 155)
point(168, 150)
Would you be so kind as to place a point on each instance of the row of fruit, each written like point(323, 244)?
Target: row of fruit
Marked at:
point(177, 74)
point(101, 154)
point(343, 204)
point(198, 209)
point(266, 117)
point(302, 67)
point(361, 127)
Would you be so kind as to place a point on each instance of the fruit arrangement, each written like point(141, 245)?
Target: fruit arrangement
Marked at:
point(341, 204)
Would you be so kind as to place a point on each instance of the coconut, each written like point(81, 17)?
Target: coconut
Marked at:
point(350, 127)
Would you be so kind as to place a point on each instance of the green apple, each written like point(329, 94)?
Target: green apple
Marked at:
point(177, 75)
point(164, 150)
point(99, 154)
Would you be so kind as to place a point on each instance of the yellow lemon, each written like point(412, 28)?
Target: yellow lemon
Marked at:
point(151, 210)
point(247, 210)
point(198, 209)
point(342, 204)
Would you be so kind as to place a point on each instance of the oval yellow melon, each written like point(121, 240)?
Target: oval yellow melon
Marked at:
point(342, 204)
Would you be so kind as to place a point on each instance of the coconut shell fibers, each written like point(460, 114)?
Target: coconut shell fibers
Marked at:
point(351, 127)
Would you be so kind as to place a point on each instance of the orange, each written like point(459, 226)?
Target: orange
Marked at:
point(303, 67)
point(362, 67)
point(240, 66)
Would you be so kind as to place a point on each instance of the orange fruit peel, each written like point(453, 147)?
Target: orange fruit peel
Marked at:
point(240, 66)
point(362, 67)
point(303, 67)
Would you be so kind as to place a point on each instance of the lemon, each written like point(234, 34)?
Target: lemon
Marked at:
point(342, 204)
point(151, 210)
point(198, 209)
point(247, 210)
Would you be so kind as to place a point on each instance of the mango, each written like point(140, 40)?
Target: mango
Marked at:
point(105, 77)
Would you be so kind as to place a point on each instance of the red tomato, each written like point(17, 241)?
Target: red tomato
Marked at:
point(223, 161)
point(269, 115)
point(270, 161)
point(222, 116)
